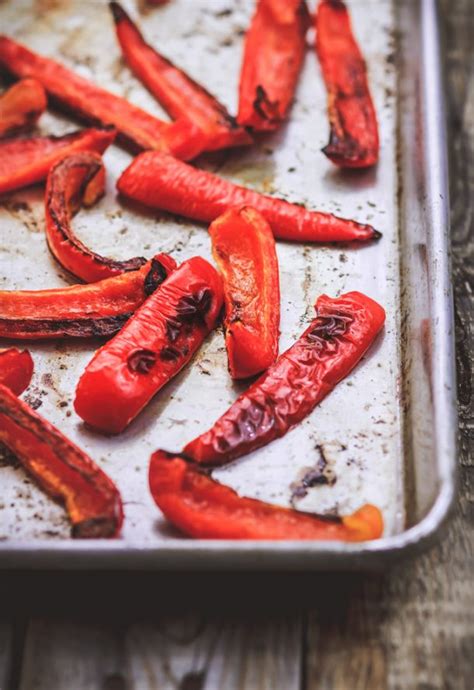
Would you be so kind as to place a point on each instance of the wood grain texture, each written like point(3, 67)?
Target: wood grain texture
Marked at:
point(6, 645)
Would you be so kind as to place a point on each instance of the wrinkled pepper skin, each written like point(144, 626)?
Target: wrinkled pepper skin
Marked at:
point(60, 468)
point(354, 138)
point(243, 247)
point(160, 181)
point(273, 56)
point(94, 104)
point(202, 508)
point(81, 311)
point(16, 369)
point(179, 95)
point(25, 162)
point(21, 106)
point(153, 347)
point(79, 178)
point(328, 350)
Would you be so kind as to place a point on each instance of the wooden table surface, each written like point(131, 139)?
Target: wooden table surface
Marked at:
point(410, 628)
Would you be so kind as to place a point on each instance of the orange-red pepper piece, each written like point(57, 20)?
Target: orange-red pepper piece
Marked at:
point(161, 181)
point(243, 247)
point(83, 98)
point(354, 139)
point(81, 311)
point(202, 508)
point(76, 179)
point(27, 161)
point(16, 369)
point(180, 95)
point(153, 347)
point(60, 468)
point(273, 56)
point(328, 350)
point(21, 106)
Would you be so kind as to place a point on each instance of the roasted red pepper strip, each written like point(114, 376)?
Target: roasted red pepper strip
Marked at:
point(274, 53)
point(77, 179)
point(354, 139)
point(27, 161)
point(61, 469)
point(80, 311)
point(202, 508)
point(21, 106)
point(161, 181)
point(153, 347)
point(301, 377)
point(85, 99)
point(180, 95)
point(16, 369)
point(244, 249)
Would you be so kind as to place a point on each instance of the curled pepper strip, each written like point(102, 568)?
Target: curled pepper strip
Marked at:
point(152, 348)
point(21, 106)
point(202, 508)
point(274, 53)
point(161, 181)
point(77, 179)
point(244, 250)
point(27, 161)
point(81, 311)
point(16, 369)
point(180, 95)
point(301, 377)
point(354, 139)
point(94, 104)
point(60, 468)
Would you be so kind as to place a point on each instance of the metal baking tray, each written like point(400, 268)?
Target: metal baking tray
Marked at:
point(387, 433)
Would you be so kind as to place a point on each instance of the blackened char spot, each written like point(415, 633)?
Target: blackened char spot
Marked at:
point(328, 327)
point(155, 276)
point(170, 354)
point(141, 361)
point(74, 328)
point(264, 107)
point(194, 307)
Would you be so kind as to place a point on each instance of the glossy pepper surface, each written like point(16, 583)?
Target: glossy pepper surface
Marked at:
point(16, 369)
point(244, 250)
point(203, 508)
point(77, 179)
point(354, 139)
point(161, 181)
point(21, 106)
point(328, 350)
point(152, 348)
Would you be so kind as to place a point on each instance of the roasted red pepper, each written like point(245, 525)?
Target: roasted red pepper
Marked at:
point(301, 377)
point(80, 311)
point(27, 161)
point(61, 469)
point(16, 369)
point(77, 179)
point(354, 139)
point(153, 347)
point(85, 99)
point(180, 95)
point(161, 181)
point(274, 53)
point(205, 509)
point(244, 249)
point(21, 106)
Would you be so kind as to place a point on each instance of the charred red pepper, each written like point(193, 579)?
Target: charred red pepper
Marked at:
point(274, 53)
point(77, 179)
point(16, 369)
point(60, 468)
point(27, 161)
point(354, 139)
point(180, 95)
point(81, 311)
point(244, 249)
point(21, 106)
point(202, 508)
point(328, 350)
point(85, 99)
point(153, 347)
point(161, 181)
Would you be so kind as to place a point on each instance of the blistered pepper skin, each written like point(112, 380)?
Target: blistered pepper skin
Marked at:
point(21, 106)
point(16, 369)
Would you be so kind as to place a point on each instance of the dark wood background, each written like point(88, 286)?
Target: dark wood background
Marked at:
point(411, 628)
